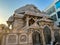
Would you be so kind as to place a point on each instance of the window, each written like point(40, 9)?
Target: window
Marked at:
point(59, 23)
point(58, 13)
point(54, 17)
point(58, 4)
point(51, 10)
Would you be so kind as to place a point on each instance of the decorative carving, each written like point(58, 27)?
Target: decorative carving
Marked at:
point(23, 38)
point(11, 39)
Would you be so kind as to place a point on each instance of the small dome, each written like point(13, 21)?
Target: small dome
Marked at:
point(10, 18)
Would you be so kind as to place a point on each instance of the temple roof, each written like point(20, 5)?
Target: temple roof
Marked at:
point(28, 7)
point(29, 10)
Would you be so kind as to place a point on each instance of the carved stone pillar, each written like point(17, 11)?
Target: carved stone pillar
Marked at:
point(52, 37)
point(27, 21)
point(3, 40)
point(42, 36)
point(30, 39)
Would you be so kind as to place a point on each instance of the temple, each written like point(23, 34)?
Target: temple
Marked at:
point(30, 26)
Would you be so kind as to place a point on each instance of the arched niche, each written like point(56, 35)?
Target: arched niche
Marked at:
point(36, 38)
point(47, 34)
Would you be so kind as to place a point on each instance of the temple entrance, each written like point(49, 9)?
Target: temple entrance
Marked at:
point(36, 38)
point(47, 35)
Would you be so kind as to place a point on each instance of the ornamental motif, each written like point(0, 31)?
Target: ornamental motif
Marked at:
point(23, 38)
point(11, 39)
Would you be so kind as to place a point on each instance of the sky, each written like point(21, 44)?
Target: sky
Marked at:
point(7, 7)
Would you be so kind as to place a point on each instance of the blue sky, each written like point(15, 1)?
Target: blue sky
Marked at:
point(7, 7)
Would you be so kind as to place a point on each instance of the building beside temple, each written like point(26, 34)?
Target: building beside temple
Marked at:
point(54, 11)
point(30, 26)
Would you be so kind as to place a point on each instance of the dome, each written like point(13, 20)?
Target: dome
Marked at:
point(29, 10)
point(28, 7)
point(10, 18)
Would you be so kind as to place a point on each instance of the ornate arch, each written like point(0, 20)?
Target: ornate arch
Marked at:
point(47, 34)
point(47, 26)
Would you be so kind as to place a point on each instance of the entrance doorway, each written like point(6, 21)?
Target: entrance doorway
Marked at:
point(36, 38)
point(47, 35)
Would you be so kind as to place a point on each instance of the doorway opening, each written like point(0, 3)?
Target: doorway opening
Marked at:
point(36, 38)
